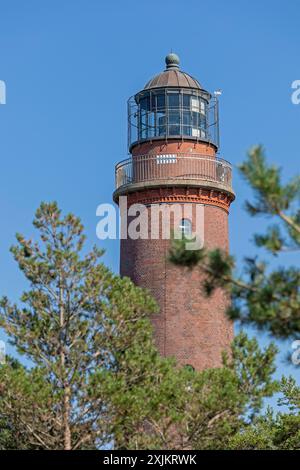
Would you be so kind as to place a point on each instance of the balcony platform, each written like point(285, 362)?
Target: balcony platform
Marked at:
point(169, 170)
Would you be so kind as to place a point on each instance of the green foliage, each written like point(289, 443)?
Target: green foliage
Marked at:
point(200, 410)
point(272, 241)
point(25, 398)
point(96, 376)
point(291, 394)
point(279, 431)
point(227, 399)
point(271, 196)
point(180, 256)
point(151, 404)
point(75, 322)
point(254, 369)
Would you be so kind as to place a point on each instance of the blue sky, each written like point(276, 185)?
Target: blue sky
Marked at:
point(69, 67)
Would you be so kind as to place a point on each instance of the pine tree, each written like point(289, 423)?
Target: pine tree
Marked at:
point(274, 431)
point(76, 324)
point(95, 377)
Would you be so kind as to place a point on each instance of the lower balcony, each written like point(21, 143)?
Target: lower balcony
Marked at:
point(144, 171)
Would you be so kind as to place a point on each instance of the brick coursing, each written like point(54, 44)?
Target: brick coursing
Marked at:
point(189, 326)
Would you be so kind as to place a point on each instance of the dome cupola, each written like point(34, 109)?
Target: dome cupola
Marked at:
point(172, 76)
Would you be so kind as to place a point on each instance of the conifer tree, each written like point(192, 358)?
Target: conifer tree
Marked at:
point(76, 323)
point(95, 377)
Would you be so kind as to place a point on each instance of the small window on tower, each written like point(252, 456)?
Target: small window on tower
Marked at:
point(186, 228)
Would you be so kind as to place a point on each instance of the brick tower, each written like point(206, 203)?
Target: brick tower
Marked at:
point(173, 141)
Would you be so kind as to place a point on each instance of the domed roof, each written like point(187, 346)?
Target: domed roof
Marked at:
point(173, 76)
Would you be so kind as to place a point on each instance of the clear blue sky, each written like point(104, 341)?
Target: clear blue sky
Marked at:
point(69, 67)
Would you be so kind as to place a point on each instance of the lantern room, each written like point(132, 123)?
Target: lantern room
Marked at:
point(173, 105)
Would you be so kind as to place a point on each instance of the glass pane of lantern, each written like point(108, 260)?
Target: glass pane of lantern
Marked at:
point(160, 101)
point(195, 104)
point(144, 103)
point(202, 107)
point(186, 101)
point(173, 100)
point(162, 125)
point(174, 123)
point(186, 116)
point(195, 118)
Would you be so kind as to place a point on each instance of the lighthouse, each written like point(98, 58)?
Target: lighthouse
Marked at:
point(173, 144)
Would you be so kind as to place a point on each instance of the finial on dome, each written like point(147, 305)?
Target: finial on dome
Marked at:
point(172, 61)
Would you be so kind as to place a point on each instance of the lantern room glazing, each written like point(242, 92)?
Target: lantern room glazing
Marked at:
point(165, 111)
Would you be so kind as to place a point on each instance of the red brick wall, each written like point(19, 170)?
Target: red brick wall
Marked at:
point(189, 326)
point(182, 146)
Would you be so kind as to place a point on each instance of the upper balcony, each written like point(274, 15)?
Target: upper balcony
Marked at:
point(176, 169)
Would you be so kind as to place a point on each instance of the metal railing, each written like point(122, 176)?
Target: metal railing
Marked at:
point(175, 166)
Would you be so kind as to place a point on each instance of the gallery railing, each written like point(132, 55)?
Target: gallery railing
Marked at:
point(177, 166)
